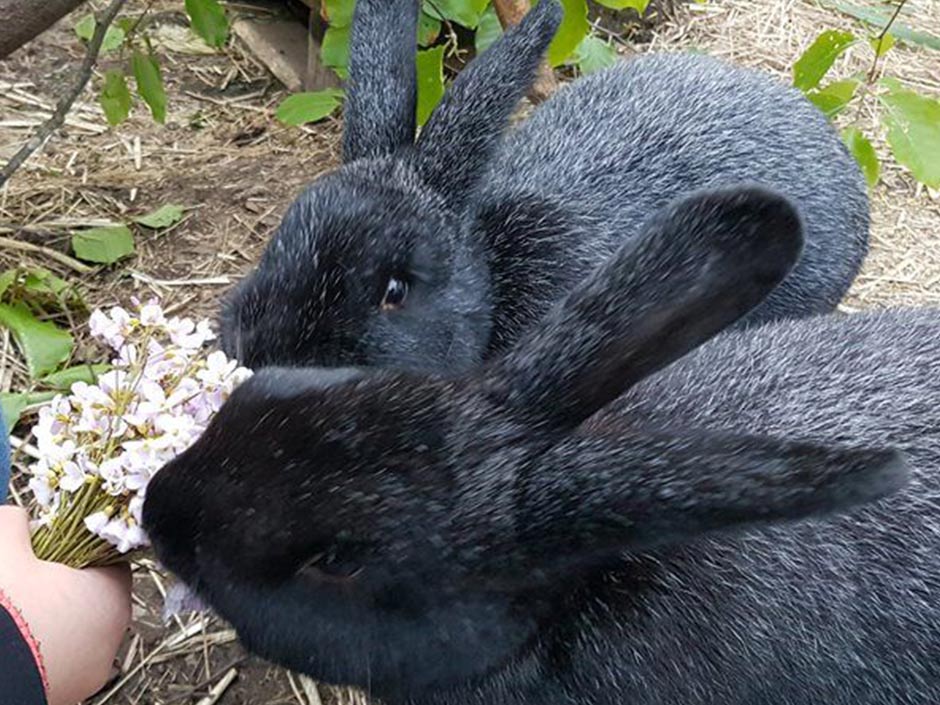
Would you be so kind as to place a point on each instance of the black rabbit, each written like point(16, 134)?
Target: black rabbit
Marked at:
point(492, 538)
point(437, 254)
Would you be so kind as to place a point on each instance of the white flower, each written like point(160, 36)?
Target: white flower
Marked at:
point(111, 328)
point(113, 436)
point(96, 522)
point(123, 536)
point(151, 315)
point(136, 509)
point(73, 477)
point(217, 370)
point(39, 485)
point(186, 334)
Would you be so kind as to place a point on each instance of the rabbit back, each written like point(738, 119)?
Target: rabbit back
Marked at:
point(843, 611)
point(591, 165)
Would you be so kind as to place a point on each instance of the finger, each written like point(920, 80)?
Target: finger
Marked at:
point(113, 588)
point(14, 531)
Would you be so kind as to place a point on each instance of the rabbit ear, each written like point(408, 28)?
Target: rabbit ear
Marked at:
point(635, 491)
point(382, 86)
point(456, 144)
point(697, 267)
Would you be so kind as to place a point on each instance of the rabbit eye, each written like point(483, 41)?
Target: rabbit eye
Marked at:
point(395, 293)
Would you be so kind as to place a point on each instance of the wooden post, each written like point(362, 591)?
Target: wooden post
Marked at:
point(317, 76)
point(22, 20)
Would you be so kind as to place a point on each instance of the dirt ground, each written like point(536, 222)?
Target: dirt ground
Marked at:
point(222, 155)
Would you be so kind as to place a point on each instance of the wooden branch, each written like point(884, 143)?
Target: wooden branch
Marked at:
point(65, 102)
point(23, 20)
point(511, 12)
point(10, 244)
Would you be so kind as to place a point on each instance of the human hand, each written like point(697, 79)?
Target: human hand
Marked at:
point(79, 617)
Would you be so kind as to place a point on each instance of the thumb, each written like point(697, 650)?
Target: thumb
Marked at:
point(14, 531)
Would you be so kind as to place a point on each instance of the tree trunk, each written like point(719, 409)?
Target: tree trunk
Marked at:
point(23, 20)
point(511, 12)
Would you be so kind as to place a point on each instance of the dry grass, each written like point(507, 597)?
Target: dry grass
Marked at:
point(224, 157)
point(904, 266)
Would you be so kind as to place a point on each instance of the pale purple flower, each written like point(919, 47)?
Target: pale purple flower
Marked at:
point(180, 600)
point(96, 522)
point(186, 334)
point(159, 397)
point(40, 484)
point(151, 315)
point(111, 328)
point(72, 478)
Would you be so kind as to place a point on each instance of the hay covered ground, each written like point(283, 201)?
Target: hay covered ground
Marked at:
point(223, 156)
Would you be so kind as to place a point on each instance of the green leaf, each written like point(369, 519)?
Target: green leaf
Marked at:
point(430, 65)
point(488, 31)
point(113, 38)
point(913, 123)
point(881, 45)
point(879, 18)
point(44, 345)
point(15, 404)
point(208, 20)
point(429, 29)
point(103, 245)
point(115, 99)
point(339, 13)
point(85, 28)
point(466, 13)
point(7, 279)
point(810, 68)
point(334, 52)
point(301, 108)
point(163, 217)
point(861, 148)
point(638, 5)
point(63, 380)
point(42, 281)
point(574, 28)
point(40, 289)
point(150, 84)
point(594, 54)
point(833, 99)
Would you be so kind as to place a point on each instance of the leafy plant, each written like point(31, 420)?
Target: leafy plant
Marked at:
point(911, 120)
point(302, 108)
point(208, 21)
point(150, 84)
point(44, 345)
point(32, 300)
point(574, 45)
point(165, 216)
point(103, 245)
point(430, 66)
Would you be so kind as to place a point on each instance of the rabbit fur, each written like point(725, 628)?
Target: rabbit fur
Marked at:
point(488, 230)
point(622, 508)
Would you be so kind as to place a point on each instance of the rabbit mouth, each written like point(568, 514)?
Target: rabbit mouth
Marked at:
point(327, 568)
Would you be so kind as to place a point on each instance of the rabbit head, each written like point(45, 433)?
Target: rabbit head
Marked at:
point(372, 265)
point(401, 532)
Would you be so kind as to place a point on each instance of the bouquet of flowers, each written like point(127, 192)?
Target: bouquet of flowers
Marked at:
point(100, 445)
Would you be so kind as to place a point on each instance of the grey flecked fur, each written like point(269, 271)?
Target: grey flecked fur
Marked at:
point(612, 149)
point(607, 514)
point(490, 230)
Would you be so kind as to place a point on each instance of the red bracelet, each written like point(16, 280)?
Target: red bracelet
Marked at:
point(27, 636)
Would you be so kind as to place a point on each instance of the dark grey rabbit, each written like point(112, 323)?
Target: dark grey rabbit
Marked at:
point(491, 538)
point(437, 254)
